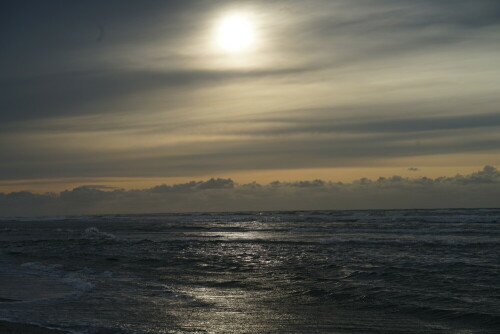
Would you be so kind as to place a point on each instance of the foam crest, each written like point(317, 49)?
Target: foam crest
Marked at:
point(93, 233)
point(73, 279)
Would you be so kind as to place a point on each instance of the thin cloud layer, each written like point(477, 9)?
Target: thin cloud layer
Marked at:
point(134, 89)
point(480, 189)
point(223, 146)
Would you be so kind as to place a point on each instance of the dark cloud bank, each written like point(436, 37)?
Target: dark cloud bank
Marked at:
point(480, 189)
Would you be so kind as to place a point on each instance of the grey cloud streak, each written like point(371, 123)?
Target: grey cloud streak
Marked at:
point(287, 125)
point(281, 139)
point(361, 32)
point(480, 189)
point(70, 93)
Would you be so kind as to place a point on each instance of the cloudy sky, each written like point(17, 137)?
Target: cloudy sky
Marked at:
point(134, 94)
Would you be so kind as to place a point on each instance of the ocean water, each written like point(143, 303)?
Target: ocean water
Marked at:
point(410, 271)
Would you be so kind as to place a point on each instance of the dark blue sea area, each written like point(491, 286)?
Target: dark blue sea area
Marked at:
point(380, 271)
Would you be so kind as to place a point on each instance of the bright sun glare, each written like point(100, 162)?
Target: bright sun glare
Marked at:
point(235, 33)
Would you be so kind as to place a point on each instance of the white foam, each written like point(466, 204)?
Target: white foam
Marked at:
point(77, 282)
point(93, 233)
point(73, 279)
point(9, 229)
point(42, 268)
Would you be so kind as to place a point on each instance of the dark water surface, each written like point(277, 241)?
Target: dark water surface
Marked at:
point(412, 271)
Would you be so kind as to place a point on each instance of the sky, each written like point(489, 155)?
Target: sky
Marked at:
point(120, 96)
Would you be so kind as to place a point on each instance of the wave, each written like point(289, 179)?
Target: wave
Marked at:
point(93, 233)
point(436, 242)
point(394, 231)
point(484, 320)
point(362, 216)
point(39, 326)
point(72, 279)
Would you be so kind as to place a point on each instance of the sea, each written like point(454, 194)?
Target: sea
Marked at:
point(374, 271)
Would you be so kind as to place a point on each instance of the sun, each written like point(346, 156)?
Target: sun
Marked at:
point(235, 33)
